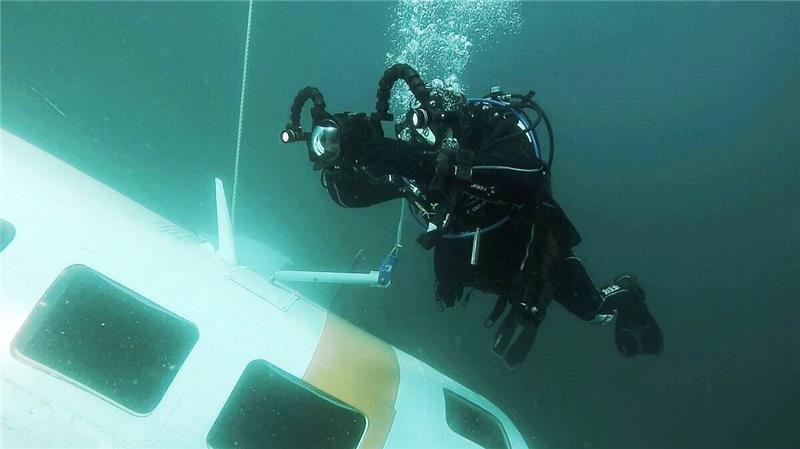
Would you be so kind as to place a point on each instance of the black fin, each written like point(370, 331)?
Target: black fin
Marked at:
point(514, 339)
point(505, 334)
point(626, 342)
point(521, 347)
point(624, 334)
point(652, 339)
point(499, 307)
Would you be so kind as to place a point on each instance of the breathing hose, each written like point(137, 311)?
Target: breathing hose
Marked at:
point(399, 72)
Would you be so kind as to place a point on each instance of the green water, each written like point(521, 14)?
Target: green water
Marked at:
point(678, 139)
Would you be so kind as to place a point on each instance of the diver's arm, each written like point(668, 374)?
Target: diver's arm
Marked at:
point(361, 176)
point(397, 157)
point(350, 187)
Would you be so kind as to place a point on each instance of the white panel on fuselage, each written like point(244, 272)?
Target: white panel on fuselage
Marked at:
point(66, 218)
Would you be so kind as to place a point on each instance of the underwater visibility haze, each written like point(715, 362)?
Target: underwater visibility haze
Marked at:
point(678, 159)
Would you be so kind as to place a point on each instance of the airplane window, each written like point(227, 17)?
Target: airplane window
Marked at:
point(7, 232)
point(106, 338)
point(473, 422)
point(270, 409)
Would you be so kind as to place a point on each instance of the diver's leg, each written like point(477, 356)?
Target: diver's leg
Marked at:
point(517, 332)
point(450, 259)
point(624, 299)
point(576, 291)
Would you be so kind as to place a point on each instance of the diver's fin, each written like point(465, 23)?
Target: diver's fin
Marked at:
point(521, 347)
point(514, 340)
point(504, 335)
point(624, 336)
point(652, 339)
point(636, 330)
point(226, 246)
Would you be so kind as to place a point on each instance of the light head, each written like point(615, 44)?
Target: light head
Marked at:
point(291, 135)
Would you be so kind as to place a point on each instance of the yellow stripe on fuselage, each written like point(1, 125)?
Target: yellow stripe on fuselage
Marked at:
point(360, 370)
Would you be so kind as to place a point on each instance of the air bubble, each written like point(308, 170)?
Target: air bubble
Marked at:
point(437, 38)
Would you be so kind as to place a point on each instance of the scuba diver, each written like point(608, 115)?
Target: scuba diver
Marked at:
point(474, 177)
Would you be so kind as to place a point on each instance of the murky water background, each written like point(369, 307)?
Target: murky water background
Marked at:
point(677, 159)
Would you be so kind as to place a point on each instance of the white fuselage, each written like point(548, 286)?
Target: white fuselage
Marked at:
point(63, 218)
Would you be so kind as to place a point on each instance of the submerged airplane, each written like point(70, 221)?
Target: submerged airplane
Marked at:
point(120, 329)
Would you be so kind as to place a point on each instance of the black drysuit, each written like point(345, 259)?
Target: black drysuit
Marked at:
point(527, 261)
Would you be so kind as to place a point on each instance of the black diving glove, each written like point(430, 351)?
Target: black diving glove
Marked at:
point(636, 330)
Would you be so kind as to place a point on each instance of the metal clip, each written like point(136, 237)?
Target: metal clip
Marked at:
point(476, 244)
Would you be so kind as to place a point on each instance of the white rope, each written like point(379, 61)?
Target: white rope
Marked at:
point(399, 238)
point(241, 113)
point(503, 167)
